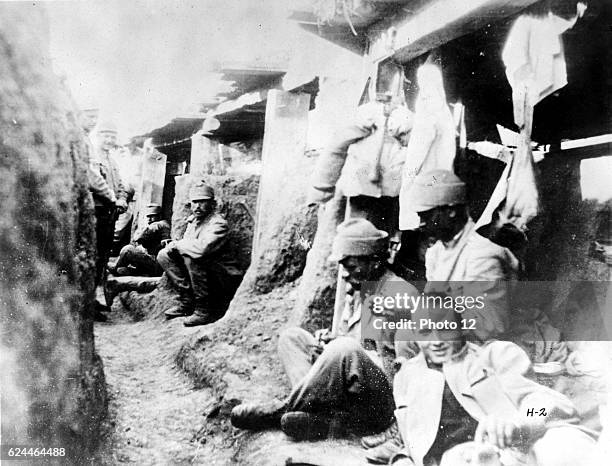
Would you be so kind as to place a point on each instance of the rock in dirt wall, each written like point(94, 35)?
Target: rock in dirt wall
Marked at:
point(52, 381)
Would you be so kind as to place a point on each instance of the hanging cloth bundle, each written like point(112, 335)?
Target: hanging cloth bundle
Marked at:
point(432, 142)
point(535, 68)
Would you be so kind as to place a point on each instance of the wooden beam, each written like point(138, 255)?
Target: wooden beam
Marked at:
point(407, 36)
point(584, 152)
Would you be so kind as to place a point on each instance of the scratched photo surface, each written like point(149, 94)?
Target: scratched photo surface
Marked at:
point(312, 232)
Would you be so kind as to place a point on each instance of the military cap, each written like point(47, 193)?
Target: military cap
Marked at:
point(435, 188)
point(153, 209)
point(200, 191)
point(358, 237)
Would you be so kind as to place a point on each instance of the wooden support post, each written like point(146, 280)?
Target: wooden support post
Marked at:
point(197, 158)
point(284, 141)
point(152, 182)
point(204, 154)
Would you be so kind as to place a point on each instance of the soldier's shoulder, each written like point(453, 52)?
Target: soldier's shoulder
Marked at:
point(161, 224)
point(390, 283)
point(480, 246)
point(218, 219)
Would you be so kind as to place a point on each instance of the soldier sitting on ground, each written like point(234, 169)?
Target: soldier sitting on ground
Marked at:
point(338, 386)
point(459, 403)
point(140, 259)
point(200, 266)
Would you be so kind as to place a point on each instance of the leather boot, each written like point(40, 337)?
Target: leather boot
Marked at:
point(99, 312)
point(258, 416)
point(199, 318)
point(183, 308)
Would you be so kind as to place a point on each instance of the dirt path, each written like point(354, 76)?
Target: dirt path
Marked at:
point(155, 410)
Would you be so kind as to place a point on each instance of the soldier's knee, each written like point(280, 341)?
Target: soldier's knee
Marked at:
point(292, 337)
point(127, 250)
point(343, 346)
point(163, 259)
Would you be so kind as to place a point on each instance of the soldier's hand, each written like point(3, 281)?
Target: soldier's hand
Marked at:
point(121, 205)
point(323, 335)
point(497, 431)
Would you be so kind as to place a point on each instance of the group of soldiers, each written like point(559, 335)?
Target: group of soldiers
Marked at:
point(452, 394)
point(199, 266)
point(464, 395)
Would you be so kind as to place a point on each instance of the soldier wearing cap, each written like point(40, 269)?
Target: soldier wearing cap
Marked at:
point(100, 190)
point(460, 258)
point(105, 143)
point(338, 385)
point(105, 168)
point(141, 258)
point(200, 266)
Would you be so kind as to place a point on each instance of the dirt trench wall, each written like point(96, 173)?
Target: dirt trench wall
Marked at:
point(52, 381)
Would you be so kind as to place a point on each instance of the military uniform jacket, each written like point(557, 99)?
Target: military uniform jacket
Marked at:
point(107, 168)
point(205, 240)
point(471, 263)
point(152, 236)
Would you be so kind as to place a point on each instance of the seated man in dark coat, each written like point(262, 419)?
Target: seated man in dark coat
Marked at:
point(200, 265)
point(141, 258)
point(340, 385)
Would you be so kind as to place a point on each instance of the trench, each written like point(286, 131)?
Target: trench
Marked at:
point(155, 412)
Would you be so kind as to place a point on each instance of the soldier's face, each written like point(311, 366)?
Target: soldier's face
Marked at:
point(358, 269)
point(90, 119)
point(439, 351)
point(438, 223)
point(108, 140)
point(202, 207)
point(153, 218)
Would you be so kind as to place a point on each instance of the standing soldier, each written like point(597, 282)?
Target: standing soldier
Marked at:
point(106, 214)
point(200, 266)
